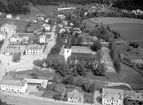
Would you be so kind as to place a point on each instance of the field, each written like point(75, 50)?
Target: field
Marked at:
point(129, 28)
point(130, 31)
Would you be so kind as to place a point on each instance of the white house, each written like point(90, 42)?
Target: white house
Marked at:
point(42, 82)
point(46, 27)
point(9, 16)
point(112, 96)
point(62, 30)
point(11, 85)
point(14, 38)
point(42, 39)
point(34, 49)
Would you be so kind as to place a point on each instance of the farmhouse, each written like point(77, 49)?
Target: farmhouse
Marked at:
point(12, 85)
point(34, 49)
point(112, 96)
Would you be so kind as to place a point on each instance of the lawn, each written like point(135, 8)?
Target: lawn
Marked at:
point(129, 28)
point(130, 31)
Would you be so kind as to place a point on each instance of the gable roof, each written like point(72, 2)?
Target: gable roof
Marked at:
point(112, 93)
point(35, 47)
point(81, 49)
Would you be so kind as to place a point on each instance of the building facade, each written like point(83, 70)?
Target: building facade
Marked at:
point(112, 96)
point(34, 49)
point(13, 86)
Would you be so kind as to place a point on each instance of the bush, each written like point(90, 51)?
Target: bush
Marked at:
point(79, 82)
point(69, 80)
point(16, 58)
point(117, 65)
point(57, 96)
point(100, 70)
point(96, 45)
point(38, 62)
point(133, 44)
point(116, 34)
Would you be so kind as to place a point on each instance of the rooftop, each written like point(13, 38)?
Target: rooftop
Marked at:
point(35, 46)
point(81, 49)
point(12, 82)
point(39, 73)
point(112, 93)
point(14, 48)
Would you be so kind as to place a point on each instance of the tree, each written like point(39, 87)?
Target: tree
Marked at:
point(15, 6)
point(100, 70)
point(57, 96)
point(133, 44)
point(79, 82)
point(81, 69)
point(38, 62)
point(96, 45)
point(69, 80)
point(117, 65)
point(86, 86)
point(16, 58)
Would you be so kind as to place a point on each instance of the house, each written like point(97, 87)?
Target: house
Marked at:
point(2, 35)
point(46, 27)
point(44, 38)
point(75, 95)
point(69, 50)
point(12, 85)
point(61, 16)
point(14, 49)
point(9, 16)
point(65, 23)
point(42, 82)
point(9, 27)
point(62, 30)
point(20, 37)
point(112, 96)
point(34, 49)
point(14, 38)
point(47, 20)
point(40, 17)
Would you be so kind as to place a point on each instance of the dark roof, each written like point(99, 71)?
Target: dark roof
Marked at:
point(39, 73)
